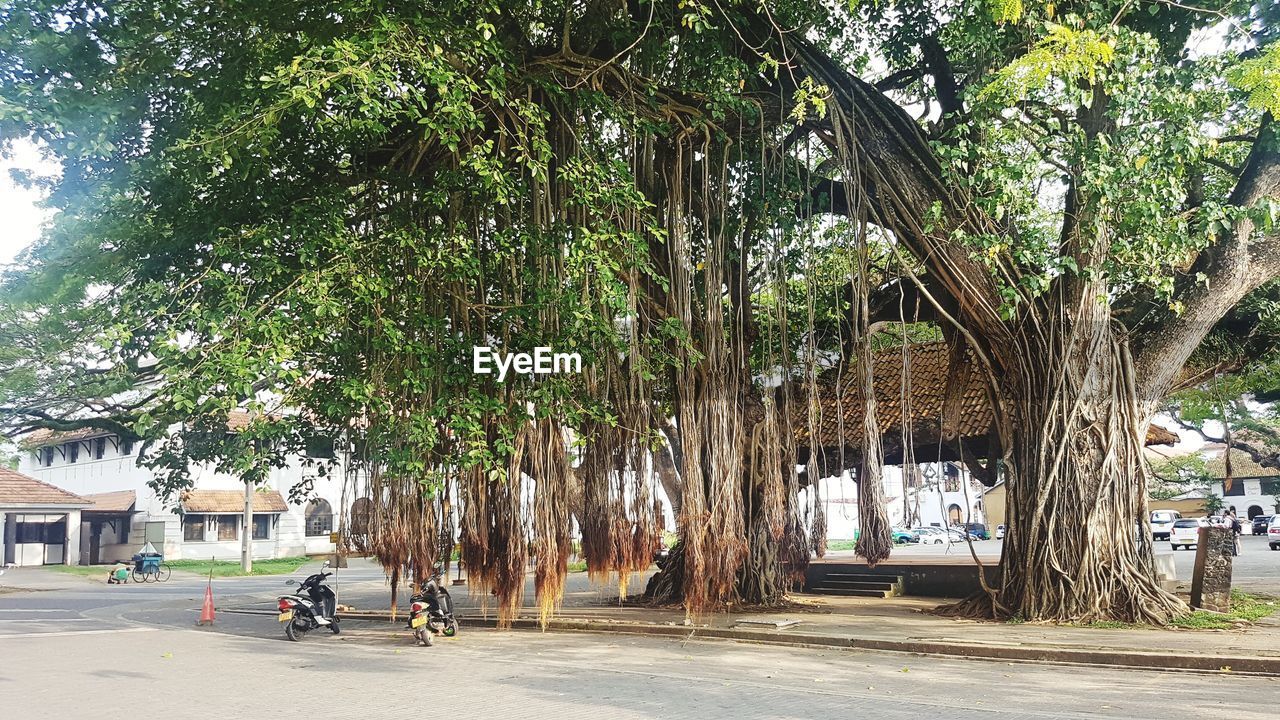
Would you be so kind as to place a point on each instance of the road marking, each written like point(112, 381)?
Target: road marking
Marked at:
point(67, 633)
point(33, 610)
point(47, 620)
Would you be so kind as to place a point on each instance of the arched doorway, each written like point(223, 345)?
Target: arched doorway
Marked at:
point(1254, 511)
point(954, 514)
point(361, 512)
point(319, 518)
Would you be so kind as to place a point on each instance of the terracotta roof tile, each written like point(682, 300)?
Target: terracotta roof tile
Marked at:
point(1242, 466)
point(43, 436)
point(118, 501)
point(841, 407)
point(231, 501)
point(18, 489)
point(237, 420)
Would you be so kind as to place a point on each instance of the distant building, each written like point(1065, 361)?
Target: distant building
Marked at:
point(41, 523)
point(120, 512)
point(943, 494)
point(1254, 488)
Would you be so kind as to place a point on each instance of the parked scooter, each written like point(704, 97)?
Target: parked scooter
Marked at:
point(431, 611)
point(314, 605)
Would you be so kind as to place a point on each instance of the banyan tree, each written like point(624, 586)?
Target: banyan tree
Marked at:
point(726, 208)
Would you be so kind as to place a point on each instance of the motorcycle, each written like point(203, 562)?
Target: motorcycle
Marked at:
point(431, 611)
point(314, 605)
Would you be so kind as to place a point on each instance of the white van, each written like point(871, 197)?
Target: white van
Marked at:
point(1162, 522)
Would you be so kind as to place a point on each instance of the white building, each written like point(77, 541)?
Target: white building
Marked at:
point(206, 522)
point(39, 523)
point(1255, 490)
point(945, 494)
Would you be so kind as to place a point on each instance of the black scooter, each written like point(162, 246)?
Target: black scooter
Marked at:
point(314, 605)
point(431, 611)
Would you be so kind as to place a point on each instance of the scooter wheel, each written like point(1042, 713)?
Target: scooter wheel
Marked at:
point(424, 636)
point(333, 626)
point(451, 629)
point(294, 631)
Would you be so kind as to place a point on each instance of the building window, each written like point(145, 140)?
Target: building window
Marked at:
point(261, 527)
point(46, 455)
point(951, 477)
point(126, 447)
point(99, 448)
point(319, 446)
point(73, 452)
point(39, 531)
point(319, 518)
point(193, 528)
point(361, 513)
point(228, 527)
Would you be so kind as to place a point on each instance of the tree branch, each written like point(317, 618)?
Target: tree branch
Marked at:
point(1233, 267)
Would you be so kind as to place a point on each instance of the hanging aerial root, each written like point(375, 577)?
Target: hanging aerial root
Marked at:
point(551, 518)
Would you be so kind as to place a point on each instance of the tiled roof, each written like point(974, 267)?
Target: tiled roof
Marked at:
point(43, 437)
point(118, 501)
point(842, 416)
point(18, 489)
point(231, 501)
point(1242, 466)
point(237, 420)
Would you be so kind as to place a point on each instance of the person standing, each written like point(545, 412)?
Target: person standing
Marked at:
point(1233, 524)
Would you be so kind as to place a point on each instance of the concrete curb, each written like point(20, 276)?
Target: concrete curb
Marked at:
point(1059, 655)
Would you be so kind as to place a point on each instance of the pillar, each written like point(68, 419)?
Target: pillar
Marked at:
point(10, 538)
point(71, 549)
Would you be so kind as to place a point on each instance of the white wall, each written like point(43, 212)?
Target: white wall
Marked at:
point(1253, 496)
point(116, 471)
point(840, 497)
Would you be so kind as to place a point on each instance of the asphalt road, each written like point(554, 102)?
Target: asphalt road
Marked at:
point(1255, 569)
point(188, 673)
point(70, 651)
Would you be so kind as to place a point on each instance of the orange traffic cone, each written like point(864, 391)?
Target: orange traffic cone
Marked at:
point(206, 612)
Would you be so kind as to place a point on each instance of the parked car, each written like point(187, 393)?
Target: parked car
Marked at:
point(904, 535)
point(1260, 524)
point(1000, 532)
point(978, 531)
point(1162, 521)
point(1186, 532)
point(930, 535)
point(1273, 533)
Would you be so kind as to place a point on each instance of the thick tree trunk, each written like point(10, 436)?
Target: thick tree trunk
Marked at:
point(1078, 545)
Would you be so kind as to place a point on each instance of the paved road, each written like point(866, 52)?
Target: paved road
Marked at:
point(1256, 568)
point(67, 650)
point(490, 674)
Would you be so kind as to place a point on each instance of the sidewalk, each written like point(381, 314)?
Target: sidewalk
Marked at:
point(900, 624)
point(39, 579)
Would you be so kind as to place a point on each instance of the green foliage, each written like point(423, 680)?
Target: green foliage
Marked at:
point(1006, 11)
point(1065, 54)
point(315, 210)
point(1178, 475)
point(1260, 78)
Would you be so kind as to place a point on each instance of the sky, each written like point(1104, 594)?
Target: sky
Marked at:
point(21, 217)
